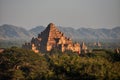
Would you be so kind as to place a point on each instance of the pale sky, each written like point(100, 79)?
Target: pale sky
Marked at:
point(68, 13)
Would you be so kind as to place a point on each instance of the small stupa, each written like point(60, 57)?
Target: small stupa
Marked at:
point(83, 48)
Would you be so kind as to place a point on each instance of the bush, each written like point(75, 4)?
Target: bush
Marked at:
point(16, 63)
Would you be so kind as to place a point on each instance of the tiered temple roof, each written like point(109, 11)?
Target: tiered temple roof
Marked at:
point(52, 38)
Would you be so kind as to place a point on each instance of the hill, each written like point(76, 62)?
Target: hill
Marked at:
point(86, 33)
point(35, 31)
point(8, 32)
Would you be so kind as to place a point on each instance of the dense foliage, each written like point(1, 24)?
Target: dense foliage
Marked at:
point(16, 63)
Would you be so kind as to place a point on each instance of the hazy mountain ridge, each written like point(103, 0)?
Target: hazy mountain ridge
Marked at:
point(10, 32)
point(13, 32)
point(35, 31)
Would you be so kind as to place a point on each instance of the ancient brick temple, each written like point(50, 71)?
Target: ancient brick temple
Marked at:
point(52, 38)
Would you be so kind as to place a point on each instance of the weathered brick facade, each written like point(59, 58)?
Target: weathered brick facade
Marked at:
point(52, 38)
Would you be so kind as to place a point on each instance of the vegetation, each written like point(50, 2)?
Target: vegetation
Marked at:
point(16, 63)
point(10, 43)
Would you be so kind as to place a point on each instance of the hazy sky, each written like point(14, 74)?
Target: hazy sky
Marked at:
point(69, 13)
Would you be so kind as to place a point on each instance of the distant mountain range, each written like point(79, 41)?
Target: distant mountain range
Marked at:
point(10, 32)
